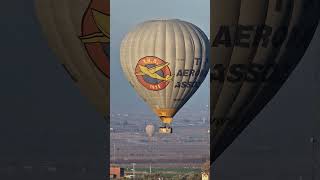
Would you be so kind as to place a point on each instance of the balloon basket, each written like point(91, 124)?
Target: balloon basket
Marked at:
point(165, 130)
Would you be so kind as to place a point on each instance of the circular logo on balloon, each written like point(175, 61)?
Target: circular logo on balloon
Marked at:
point(96, 34)
point(153, 73)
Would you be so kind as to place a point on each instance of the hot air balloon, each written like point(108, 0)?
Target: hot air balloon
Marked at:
point(79, 34)
point(150, 131)
point(165, 61)
point(255, 45)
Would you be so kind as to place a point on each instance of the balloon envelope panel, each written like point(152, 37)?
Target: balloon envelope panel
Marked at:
point(255, 45)
point(78, 32)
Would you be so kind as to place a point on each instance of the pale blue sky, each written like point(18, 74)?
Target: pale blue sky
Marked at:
point(126, 14)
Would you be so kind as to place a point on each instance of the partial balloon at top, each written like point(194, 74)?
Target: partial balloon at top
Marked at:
point(79, 33)
point(255, 45)
point(165, 61)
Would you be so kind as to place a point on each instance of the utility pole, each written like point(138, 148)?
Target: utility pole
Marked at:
point(133, 170)
point(114, 153)
point(150, 168)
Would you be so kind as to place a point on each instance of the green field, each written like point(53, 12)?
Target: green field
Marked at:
point(167, 173)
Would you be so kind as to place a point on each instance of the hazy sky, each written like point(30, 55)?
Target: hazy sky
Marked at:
point(125, 15)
